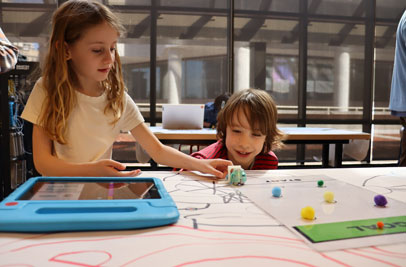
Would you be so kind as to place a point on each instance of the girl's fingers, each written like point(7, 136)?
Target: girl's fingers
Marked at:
point(218, 173)
point(117, 165)
point(136, 172)
point(130, 173)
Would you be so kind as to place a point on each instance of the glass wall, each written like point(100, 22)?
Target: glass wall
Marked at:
point(313, 56)
point(191, 57)
point(134, 49)
point(335, 67)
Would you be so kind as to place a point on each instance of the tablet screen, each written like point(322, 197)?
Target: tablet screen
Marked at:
point(89, 190)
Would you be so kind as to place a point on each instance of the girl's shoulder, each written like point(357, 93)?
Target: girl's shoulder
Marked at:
point(38, 88)
point(39, 84)
point(128, 102)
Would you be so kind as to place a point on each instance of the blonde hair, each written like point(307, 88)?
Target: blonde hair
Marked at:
point(69, 22)
point(259, 109)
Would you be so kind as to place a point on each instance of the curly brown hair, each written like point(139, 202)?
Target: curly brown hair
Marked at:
point(259, 109)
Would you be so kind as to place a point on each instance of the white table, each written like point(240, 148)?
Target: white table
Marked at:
point(218, 227)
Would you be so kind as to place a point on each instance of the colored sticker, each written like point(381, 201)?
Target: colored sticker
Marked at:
point(352, 229)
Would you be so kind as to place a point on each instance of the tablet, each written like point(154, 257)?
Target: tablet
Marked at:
point(53, 204)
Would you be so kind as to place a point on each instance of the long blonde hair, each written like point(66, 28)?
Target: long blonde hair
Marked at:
point(69, 22)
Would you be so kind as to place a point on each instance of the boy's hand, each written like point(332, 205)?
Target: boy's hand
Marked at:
point(111, 168)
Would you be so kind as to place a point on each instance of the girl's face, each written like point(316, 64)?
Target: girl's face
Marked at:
point(243, 143)
point(93, 55)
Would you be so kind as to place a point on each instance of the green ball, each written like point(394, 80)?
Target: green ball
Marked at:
point(320, 183)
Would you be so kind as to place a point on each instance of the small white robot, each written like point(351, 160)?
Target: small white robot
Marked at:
point(236, 175)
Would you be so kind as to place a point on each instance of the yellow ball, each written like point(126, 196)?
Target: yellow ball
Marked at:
point(307, 213)
point(329, 197)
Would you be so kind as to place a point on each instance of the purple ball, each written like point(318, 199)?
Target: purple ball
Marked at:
point(380, 200)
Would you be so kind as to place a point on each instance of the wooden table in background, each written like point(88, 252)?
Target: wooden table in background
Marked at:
point(294, 135)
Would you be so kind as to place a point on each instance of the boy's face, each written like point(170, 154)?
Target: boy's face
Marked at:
point(243, 143)
point(93, 55)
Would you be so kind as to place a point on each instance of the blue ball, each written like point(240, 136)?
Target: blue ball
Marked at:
point(276, 191)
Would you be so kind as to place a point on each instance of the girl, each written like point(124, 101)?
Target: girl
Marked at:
point(80, 104)
point(247, 132)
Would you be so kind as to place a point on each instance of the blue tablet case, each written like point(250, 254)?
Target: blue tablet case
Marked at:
point(17, 215)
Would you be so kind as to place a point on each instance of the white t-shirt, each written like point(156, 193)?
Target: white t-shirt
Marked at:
point(90, 134)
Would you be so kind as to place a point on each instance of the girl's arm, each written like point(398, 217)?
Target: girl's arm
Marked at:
point(49, 165)
point(171, 157)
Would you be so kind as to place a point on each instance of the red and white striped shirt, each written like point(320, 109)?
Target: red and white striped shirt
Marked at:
point(218, 150)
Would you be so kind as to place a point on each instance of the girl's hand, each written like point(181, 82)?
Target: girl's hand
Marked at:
point(110, 168)
point(217, 167)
